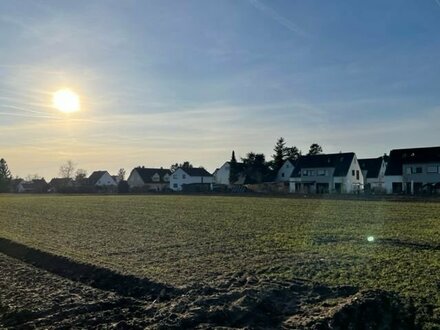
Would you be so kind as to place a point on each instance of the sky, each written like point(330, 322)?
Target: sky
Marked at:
point(166, 81)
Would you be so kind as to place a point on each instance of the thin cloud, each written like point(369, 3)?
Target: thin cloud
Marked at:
point(288, 24)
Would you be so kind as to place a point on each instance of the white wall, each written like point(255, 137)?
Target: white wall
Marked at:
point(221, 176)
point(180, 177)
point(350, 181)
point(135, 180)
point(285, 172)
point(389, 179)
point(106, 180)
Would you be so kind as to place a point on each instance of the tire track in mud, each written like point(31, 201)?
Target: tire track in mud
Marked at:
point(108, 299)
point(88, 274)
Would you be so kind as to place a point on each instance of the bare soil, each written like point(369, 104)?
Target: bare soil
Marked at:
point(45, 291)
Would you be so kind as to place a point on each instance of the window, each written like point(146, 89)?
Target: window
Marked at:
point(357, 174)
point(174, 176)
point(418, 170)
point(408, 170)
point(432, 169)
point(175, 185)
point(353, 172)
point(305, 173)
point(322, 172)
point(282, 175)
point(183, 176)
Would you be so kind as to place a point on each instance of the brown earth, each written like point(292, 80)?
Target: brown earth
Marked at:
point(40, 290)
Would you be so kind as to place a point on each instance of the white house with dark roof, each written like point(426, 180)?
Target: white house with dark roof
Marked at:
point(153, 179)
point(373, 170)
point(284, 173)
point(327, 173)
point(222, 174)
point(413, 171)
point(190, 176)
point(101, 179)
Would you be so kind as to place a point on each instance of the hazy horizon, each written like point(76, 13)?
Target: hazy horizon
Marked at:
point(162, 82)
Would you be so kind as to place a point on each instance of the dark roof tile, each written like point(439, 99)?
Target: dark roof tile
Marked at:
point(340, 162)
point(147, 174)
point(399, 157)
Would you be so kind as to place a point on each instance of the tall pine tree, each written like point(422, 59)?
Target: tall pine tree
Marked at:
point(233, 169)
point(5, 176)
point(280, 153)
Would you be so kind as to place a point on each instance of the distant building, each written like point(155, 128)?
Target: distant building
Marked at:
point(413, 171)
point(327, 173)
point(373, 170)
point(190, 176)
point(222, 174)
point(33, 186)
point(149, 179)
point(58, 184)
point(285, 171)
point(101, 179)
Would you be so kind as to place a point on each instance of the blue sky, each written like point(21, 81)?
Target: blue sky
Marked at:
point(165, 81)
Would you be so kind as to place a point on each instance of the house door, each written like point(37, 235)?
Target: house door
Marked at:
point(338, 187)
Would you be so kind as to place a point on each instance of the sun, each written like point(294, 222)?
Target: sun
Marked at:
point(65, 100)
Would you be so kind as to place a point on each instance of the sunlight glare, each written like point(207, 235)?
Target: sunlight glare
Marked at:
point(65, 100)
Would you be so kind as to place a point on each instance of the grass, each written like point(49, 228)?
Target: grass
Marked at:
point(183, 239)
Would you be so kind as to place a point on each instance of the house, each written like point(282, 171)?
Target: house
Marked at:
point(327, 173)
point(33, 186)
point(60, 184)
point(222, 174)
point(101, 179)
point(413, 171)
point(190, 176)
point(285, 171)
point(149, 179)
point(373, 170)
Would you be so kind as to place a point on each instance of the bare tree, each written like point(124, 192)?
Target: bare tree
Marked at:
point(80, 176)
point(67, 170)
point(31, 177)
point(121, 174)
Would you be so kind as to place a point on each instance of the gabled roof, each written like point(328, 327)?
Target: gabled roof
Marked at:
point(59, 182)
point(36, 184)
point(399, 157)
point(147, 174)
point(95, 176)
point(196, 171)
point(372, 166)
point(340, 162)
point(240, 166)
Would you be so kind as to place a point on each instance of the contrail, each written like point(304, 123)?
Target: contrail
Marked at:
point(277, 17)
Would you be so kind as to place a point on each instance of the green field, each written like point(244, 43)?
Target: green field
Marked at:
point(185, 239)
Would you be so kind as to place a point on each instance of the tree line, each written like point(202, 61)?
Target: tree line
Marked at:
point(255, 167)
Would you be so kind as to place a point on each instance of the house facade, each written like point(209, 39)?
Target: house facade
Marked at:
point(222, 174)
point(373, 170)
point(327, 173)
point(413, 171)
point(149, 179)
point(102, 179)
point(190, 176)
point(285, 172)
point(33, 186)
